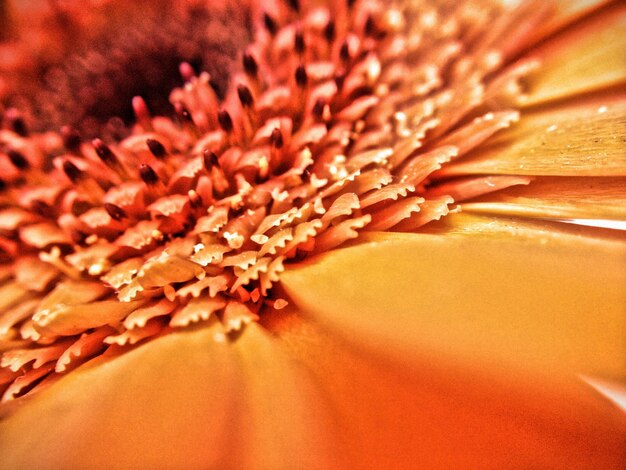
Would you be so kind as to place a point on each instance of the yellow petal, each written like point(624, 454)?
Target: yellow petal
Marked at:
point(567, 12)
point(583, 59)
point(513, 303)
point(395, 414)
point(186, 400)
point(583, 138)
point(559, 198)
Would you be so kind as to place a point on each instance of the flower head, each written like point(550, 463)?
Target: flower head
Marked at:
point(165, 249)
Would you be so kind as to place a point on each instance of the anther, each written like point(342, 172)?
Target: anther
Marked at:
point(298, 42)
point(71, 139)
point(339, 81)
point(78, 237)
point(225, 121)
point(329, 31)
point(210, 160)
point(301, 76)
point(250, 64)
point(270, 24)
point(294, 5)
point(16, 122)
point(18, 159)
point(245, 96)
point(42, 208)
point(79, 207)
point(194, 198)
point(183, 114)
point(72, 171)
point(115, 212)
point(104, 152)
point(276, 139)
point(148, 175)
point(186, 71)
point(140, 109)
point(156, 148)
point(344, 52)
point(318, 109)
point(370, 26)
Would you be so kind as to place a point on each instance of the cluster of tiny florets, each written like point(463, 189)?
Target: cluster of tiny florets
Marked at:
point(342, 120)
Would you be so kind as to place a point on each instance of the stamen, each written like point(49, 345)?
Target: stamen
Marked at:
point(115, 212)
point(16, 122)
point(344, 52)
point(18, 159)
point(225, 121)
point(301, 76)
point(210, 160)
point(294, 5)
point(276, 139)
point(330, 31)
point(250, 65)
point(270, 24)
point(299, 42)
point(72, 171)
point(245, 96)
point(156, 148)
point(105, 153)
point(71, 139)
point(148, 175)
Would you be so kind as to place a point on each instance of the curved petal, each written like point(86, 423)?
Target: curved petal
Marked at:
point(436, 415)
point(583, 138)
point(567, 12)
point(560, 198)
point(192, 399)
point(511, 228)
point(286, 421)
point(583, 59)
point(530, 302)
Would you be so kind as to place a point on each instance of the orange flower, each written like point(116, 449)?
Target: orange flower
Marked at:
point(177, 299)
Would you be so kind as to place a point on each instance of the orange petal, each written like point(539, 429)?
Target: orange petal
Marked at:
point(73, 293)
point(567, 12)
point(282, 407)
point(468, 188)
point(430, 210)
point(394, 414)
point(196, 310)
point(502, 304)
point(11, 294)
point(495, 227)
point(558, 198)
point(67, 320)
point(34, 274)
point(579, 139)
point(583, 59)
point(191, 399)
point(122, 414)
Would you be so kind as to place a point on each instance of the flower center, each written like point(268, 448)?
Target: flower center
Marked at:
point(339, 122)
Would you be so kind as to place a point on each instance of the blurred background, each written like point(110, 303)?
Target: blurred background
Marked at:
point(81, 62)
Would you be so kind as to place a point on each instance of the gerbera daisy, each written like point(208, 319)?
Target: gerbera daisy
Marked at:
point(389, 235)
